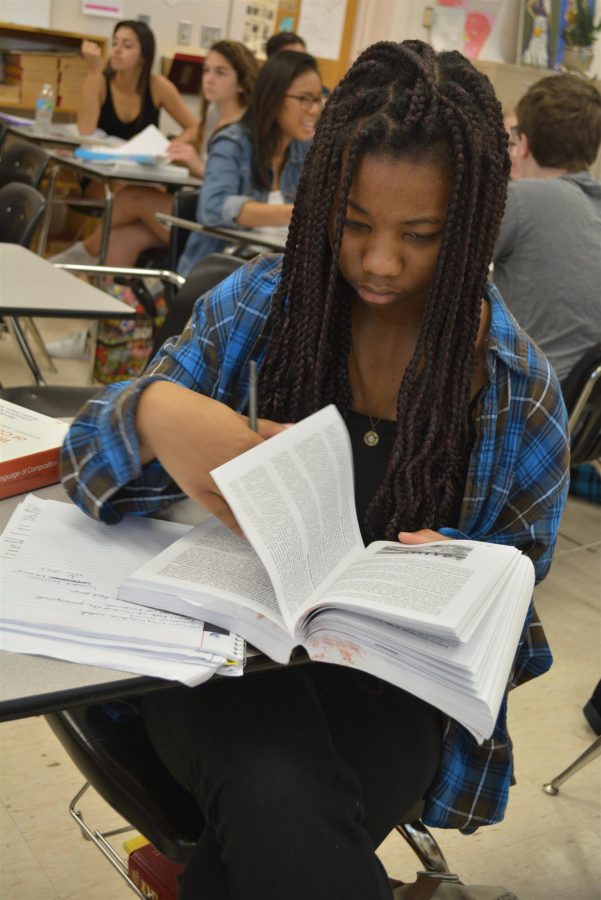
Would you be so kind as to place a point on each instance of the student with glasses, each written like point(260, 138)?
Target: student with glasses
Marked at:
point(253, 166)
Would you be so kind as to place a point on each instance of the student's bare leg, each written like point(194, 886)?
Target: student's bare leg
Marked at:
point(133, 205)
point(127, 242)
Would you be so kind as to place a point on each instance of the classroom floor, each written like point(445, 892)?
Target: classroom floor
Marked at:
point(548, 848)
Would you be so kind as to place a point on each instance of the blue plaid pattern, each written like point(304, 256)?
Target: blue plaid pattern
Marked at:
point(515, 490)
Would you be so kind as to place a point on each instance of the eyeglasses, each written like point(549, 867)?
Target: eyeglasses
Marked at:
point(307, 100)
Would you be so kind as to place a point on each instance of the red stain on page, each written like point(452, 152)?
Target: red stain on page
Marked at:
point(333, 649)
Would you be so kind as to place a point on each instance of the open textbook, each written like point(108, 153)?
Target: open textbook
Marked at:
point(60, 577)
point(441, 620)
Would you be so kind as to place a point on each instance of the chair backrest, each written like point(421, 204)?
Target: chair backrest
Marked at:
point(184, 207)
point(23, 162)
point(21, 209)
point(582, 394)
point(209, 272)
point(116, 756)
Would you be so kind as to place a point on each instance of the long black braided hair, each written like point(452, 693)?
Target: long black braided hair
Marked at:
point(398, 101)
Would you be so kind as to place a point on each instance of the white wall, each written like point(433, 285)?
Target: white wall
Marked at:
point(26, 12)
point(164, 16)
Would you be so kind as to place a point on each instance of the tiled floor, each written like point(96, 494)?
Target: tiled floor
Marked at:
point(548, 848)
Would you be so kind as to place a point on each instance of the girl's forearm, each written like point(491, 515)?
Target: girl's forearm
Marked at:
point(255, 214)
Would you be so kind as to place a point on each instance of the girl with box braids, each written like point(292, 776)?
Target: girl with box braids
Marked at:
point(397, 102)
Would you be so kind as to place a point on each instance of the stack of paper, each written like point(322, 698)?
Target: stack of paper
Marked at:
point(149, 147)
point(60, 578)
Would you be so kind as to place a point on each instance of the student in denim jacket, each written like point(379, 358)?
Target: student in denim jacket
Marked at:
point(254, 166)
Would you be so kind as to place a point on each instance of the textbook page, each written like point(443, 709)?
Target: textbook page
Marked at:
point(294, 498)
point(212, 572)
point(444, 586)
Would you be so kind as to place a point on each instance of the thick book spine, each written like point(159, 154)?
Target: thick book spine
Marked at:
point(28, 473)
point(153, 873)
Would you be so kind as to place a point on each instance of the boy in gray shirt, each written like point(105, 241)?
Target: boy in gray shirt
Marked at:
point(547, 260)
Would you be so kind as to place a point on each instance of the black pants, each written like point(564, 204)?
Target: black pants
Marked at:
point(300, 774)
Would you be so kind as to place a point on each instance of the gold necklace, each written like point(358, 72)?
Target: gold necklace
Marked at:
point(371, 438)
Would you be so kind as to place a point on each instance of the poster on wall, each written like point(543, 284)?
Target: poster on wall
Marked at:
point(321, 24)
point(112, 9)
point(258, 24)
point(543, 21)
point(464, 25)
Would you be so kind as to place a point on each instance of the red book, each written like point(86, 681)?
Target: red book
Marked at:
point(29, 448)
point(153, 873)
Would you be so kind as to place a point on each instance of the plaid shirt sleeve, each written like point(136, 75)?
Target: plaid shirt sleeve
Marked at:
point(100, 461)
point(515, 494)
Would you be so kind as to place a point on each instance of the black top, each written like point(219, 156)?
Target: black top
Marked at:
point(369, 462)
point(112, 124)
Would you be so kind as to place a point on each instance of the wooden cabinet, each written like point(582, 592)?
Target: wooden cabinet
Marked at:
point(32, 56)
point(511, 81)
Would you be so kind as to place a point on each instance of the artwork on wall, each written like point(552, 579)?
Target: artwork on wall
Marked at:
point(543, 21)
point(464, 25)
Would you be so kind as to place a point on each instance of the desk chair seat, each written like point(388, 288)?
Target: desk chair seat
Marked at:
point(115, 756)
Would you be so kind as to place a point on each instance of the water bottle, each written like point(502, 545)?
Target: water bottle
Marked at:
point(44, 107)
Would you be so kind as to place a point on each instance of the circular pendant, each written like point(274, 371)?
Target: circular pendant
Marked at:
point(371, 438)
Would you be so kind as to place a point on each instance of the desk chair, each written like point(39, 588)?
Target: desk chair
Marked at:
point(22, 208)
point(65, 401)
point(184, 207)
point(582, 395)
point(3, 131)
point(209, 272)
point(23, 162)
point(117, 759)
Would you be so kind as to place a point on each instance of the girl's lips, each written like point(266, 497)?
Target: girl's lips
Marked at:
point(372, 296)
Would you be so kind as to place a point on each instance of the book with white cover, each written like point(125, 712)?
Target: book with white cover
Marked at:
point(441, 620)
point(29, 449)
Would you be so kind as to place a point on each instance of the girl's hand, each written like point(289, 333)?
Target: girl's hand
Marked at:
point(92, 54)
point(185, 154)
point(424, 536)
point(190, 435)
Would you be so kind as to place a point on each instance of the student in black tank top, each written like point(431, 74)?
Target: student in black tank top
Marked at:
point(229, 75)
point(110, 122)
point(127, 96)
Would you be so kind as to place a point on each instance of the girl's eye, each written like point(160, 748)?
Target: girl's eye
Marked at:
point(354, 225)
point(422, 238)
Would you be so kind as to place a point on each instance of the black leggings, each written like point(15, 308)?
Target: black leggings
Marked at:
point(300, 774)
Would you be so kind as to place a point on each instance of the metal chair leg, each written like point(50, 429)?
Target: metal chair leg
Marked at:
point(99, 839)
point(424, 845)
point(33, 328)
point(552, 787)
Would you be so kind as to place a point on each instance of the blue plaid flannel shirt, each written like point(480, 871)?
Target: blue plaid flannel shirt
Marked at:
point(515, 491)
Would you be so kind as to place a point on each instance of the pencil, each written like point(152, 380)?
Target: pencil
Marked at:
point(252, 394)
